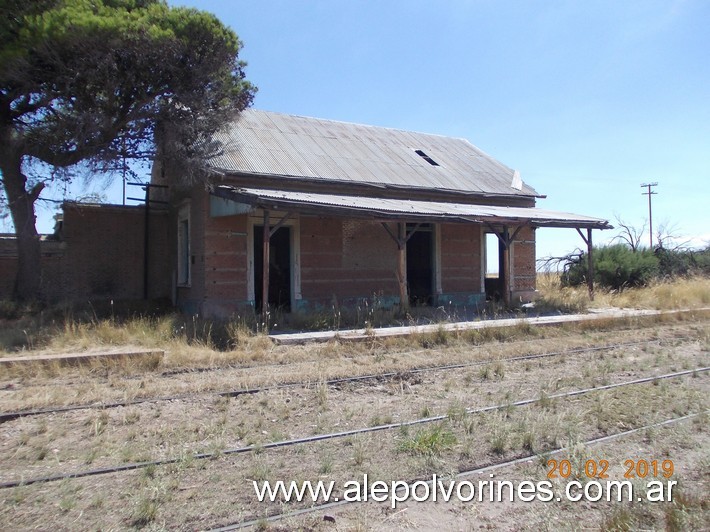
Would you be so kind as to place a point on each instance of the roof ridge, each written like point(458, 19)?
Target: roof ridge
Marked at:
point(360, 124)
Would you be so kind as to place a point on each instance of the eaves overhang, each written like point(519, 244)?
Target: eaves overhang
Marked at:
point(401, 209)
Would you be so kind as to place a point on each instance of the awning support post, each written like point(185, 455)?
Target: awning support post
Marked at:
point(280, 224)
point(268, 232)
point(266, 239)
point(506, 265)
point(146, 245)
point(401, 239)
point(506, 239)
point(402, 266)
point(590, 261)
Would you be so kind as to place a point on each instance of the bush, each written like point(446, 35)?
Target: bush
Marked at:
point(701, 260)
point(616, 267)
point(681, 263)
point(673, 264)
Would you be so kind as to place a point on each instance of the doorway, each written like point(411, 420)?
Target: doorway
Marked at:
point(494, 271)
point(420, 264)
point(279, 268)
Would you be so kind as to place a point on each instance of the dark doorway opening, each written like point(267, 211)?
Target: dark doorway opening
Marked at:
point(420, 264)
point(494, 268)
point(279, 268)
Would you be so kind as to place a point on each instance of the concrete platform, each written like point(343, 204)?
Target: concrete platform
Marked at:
point(388, 332)
point(67, 359)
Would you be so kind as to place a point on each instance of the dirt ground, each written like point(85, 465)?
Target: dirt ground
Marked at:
point(205, 493)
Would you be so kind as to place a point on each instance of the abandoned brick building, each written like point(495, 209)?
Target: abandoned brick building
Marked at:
point(309, 213)
point(350, 212)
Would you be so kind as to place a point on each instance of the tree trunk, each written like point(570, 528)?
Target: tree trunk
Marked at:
point(22, 208)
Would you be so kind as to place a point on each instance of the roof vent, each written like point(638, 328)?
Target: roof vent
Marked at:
point(426, 157)
point(517, 183)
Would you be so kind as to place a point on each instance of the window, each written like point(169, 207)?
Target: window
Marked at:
point(426, 157)
point(183, 247)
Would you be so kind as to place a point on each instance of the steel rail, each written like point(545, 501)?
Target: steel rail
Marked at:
point(181, 371)
point(238, 366)
point(336, 435)
point(461, 474)
point(9, 416)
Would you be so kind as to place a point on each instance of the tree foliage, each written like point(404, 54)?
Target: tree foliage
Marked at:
point(628, 264)
point(93, 80)
point(616, 267)
point(683, 262)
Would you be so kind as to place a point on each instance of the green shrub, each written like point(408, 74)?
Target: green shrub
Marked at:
point(429, 442)
point(681, 263)
point(616, 267)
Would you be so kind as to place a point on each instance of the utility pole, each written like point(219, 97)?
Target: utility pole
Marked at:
point(649, 193)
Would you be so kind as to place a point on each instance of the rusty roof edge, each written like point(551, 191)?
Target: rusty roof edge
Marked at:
point(254, 198)
point(600, 224)
point(225, 173)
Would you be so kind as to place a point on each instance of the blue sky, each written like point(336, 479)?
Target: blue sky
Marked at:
point(586, 99)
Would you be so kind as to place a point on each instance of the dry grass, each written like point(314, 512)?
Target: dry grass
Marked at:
point(555, 297)
point(200, 494)
point(683, 293)
point(208, 424)
point(190, 343)
point(196, 343)
point(689, 293)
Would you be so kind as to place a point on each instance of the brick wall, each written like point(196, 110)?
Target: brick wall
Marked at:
point(8, 265)
point(524, 262)
point(225, 261)
point(99, 255)
point(346, 259)
point(460, 258)
point(225, 265)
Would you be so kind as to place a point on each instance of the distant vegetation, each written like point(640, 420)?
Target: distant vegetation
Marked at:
point(618, 266)
point(627, 275)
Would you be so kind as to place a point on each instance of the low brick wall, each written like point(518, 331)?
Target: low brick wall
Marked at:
point(97, 254)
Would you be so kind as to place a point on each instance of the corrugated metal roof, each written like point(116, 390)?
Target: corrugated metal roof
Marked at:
point(266, 143)
point(408, 209)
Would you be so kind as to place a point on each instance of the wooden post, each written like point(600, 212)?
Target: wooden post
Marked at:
point(402, 266)
point(505, 267)
point(265, 271)
point(590, 265)
point(146, 244)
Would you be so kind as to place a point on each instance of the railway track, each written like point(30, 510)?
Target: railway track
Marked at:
point(462, 474)
point(9, 416)
point(342, 434)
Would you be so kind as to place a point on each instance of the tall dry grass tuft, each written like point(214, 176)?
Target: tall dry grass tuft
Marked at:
point(189, 342)
point(557, 298)
point(139, 331)
point(671, 294)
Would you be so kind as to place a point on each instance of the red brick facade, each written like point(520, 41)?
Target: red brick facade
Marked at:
point(461, 258)
point(523, 259)
point(335, 260)
point(97, 254)
point(342, 258)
